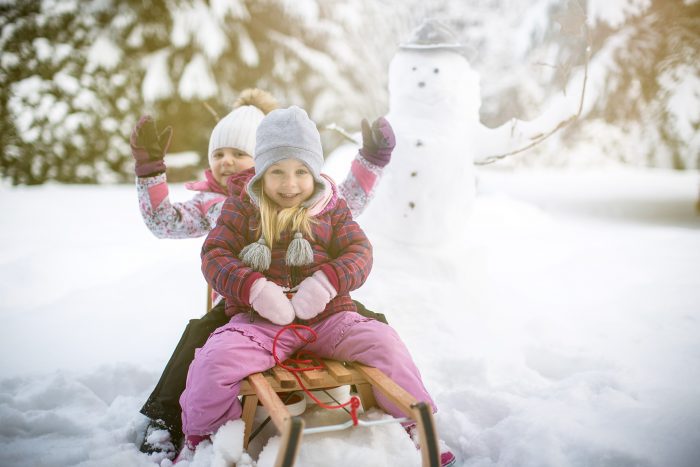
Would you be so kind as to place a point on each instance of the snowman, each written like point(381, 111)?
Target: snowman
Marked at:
point(428, 189)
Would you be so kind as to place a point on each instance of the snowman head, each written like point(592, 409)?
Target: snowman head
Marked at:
point(425, 82)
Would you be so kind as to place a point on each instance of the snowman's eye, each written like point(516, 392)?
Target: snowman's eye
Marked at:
point(436, 70)
point(414, 68)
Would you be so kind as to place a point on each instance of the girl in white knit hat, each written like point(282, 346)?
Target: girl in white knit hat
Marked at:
point(231, 147)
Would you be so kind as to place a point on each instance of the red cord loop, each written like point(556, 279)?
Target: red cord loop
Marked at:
point(309, 359)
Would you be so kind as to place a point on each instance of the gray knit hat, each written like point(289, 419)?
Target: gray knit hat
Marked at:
point(284, 134)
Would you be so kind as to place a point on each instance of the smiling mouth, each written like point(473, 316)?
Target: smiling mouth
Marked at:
point(288, 195)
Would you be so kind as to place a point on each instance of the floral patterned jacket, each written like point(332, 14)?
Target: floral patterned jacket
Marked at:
point(197, 216)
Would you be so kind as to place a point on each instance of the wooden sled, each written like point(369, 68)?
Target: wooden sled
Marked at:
point(264, 387)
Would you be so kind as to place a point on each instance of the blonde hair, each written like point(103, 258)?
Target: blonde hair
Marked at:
point(275, 221)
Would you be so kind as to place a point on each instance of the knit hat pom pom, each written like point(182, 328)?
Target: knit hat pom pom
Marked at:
point(261, 99)
point(299, 251)
point(257, 255)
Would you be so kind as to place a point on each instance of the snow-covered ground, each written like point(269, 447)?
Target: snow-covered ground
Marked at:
point(564, 333)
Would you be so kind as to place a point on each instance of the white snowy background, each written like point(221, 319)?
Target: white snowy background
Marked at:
point(571, 340)
point(563, 332)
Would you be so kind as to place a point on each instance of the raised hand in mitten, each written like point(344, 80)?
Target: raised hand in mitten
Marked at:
point(378, 141)
point(149, 147)
point(270, 301)
point(313, 295)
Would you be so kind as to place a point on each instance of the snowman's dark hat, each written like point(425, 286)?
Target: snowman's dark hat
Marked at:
point(435, 35)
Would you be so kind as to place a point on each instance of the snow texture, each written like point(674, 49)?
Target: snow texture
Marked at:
point(197, 81)
point(615, 12)
point(156, 82)
point(562, 332)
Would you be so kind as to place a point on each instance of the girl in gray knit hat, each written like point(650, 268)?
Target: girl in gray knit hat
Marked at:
point(288, 234)
point(230, 155)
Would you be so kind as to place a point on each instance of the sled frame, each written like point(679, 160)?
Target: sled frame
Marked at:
point(266, 387)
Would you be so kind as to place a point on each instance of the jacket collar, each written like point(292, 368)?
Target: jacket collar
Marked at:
point(209, 184)
point(324, 198)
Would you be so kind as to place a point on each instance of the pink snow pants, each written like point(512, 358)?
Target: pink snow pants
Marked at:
point(241, 348)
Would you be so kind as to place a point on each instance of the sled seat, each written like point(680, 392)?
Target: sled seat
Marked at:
point(266, 387)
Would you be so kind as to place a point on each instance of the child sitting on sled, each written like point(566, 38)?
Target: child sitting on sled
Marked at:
point(287, 231)
point(230, 155)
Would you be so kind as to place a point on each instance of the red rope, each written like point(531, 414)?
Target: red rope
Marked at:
point(311, 360)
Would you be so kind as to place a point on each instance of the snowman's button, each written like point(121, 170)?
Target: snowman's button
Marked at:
point(411, 205)
point(419, 143)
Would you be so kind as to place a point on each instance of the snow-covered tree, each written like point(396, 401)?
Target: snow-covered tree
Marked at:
point(653, 82)
point(642, 102)
point(67, 91)
point(642, 99)
point(76, 74)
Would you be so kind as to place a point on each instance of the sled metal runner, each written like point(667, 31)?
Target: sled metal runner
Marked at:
point(266, 387)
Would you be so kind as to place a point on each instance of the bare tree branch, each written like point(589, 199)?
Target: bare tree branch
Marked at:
point(540, 138)
point(341, 131)
point(212, 112)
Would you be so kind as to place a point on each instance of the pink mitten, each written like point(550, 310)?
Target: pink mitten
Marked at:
point(313, 295)
point(270, 301)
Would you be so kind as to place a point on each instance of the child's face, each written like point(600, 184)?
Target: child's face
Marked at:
point(288, 183)
point(228, 161)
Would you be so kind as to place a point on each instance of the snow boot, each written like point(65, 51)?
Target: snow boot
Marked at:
point(447, 459)
point(158, 440)
point(190, 445)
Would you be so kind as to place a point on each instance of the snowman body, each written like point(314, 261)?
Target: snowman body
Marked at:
point(427, 191)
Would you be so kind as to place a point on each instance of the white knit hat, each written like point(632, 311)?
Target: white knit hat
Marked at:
point(236, 130)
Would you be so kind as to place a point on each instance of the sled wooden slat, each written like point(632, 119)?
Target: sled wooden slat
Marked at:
point(250, 404)
point(338, 371)
point(314, 377)
point(284, 377)
point(275, 408)
point(364, 390)
point(389, 388)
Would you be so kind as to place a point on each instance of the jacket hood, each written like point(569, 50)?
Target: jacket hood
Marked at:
point(324, 197)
